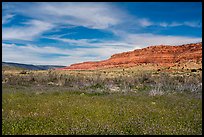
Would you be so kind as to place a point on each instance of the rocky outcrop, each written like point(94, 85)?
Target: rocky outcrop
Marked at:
point(164, 55)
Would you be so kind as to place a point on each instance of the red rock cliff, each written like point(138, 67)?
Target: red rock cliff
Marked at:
point(162, 54)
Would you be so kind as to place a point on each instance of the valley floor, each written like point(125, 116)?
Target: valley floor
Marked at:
point(137, 105)
point(60, 112)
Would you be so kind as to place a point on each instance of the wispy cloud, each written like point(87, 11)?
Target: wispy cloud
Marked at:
point(16, 53)
point(7, 18)
point(88, 14)
point(194, 24)
point(148, 39)
point(91, 42)
point(145, 22)
point(31, 30)
point(91, 15)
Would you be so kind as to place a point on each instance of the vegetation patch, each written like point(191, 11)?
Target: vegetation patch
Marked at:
point(96, 103)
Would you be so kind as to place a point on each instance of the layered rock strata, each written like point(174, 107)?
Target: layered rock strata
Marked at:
point(164, 55)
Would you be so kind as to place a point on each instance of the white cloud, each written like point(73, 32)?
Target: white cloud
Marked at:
point(76, 42)
point(163, 24)
point(33, 54)
point(194, 24)
point(88, 14)
point(7, 18)
point(150, 39)
point(31, 30)
point(145, 22)
point(48, 16)
point(99, 16)
point(91, 42)
point(7, 45)
point(146, 39)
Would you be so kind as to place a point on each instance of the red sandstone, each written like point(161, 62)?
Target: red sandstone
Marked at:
point(164, 55)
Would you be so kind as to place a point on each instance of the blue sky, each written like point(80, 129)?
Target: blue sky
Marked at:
point(66, 33)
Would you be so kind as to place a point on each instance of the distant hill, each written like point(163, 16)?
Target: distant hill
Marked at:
point(11, 65)
point(5, 67)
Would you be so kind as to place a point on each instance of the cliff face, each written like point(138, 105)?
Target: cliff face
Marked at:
point(163, 55)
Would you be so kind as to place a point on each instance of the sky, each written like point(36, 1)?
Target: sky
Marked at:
point(64, 33)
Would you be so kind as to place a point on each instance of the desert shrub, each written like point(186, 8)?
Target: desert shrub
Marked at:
point(154, 92)
point(167, 83)
point(23, 72)
point(193, 70)
point(52, 76)
point(96, 86)
point(200, 69)
point(191, 84)
point(145, 78)
point(144, 81)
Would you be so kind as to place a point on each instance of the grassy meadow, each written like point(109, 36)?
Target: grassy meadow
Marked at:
point(101, 102)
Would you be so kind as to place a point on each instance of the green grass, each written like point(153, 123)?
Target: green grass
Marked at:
point(56, 110)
